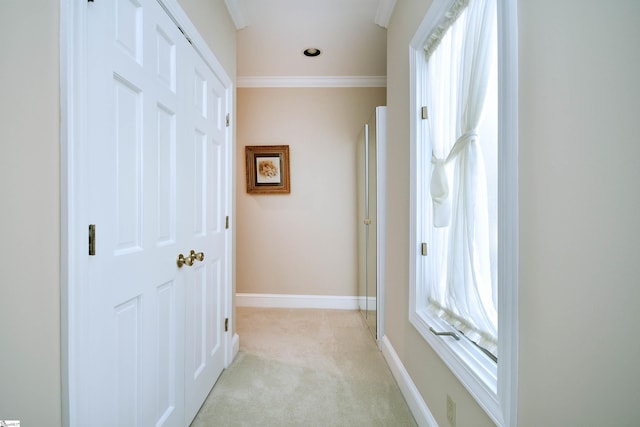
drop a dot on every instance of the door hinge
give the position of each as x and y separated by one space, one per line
226 222
423 249
226 324
228 119
425 113
92 239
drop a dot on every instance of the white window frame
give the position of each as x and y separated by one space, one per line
493 386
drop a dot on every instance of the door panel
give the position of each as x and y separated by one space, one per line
168 380
165 170
128 364
127 162
370 186
205 288
199 182
372 235
135 374
154 345
366 226
128 23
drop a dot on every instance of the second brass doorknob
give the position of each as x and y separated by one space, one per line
182 260
198 256
189 260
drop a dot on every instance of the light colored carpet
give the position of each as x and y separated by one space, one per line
305 368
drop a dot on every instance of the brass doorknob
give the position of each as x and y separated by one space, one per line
199 256
182 260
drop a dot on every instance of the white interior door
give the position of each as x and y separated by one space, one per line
206 232
371 187
367 223
153 342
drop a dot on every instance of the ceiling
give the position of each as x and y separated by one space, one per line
272 35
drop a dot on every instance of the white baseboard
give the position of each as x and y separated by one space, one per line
364 302
233 350
235 346
417 405
297 301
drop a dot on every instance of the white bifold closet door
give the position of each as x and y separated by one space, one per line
152 344
371 190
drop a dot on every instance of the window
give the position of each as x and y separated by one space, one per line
464 195
460 133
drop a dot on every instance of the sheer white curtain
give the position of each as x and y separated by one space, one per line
462 291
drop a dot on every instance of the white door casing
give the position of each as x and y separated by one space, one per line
144 341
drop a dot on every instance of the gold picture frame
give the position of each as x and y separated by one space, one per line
267 169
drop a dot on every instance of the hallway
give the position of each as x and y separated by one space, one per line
304 367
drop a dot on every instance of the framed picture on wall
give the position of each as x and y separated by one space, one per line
267 169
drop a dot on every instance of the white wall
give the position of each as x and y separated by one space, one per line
303 243
579 99
30 196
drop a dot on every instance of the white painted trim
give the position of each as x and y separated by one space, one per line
384 12
73 214
237 14
381 216
311 81
233 350
236 344
508 231
419 409
297 301
364 302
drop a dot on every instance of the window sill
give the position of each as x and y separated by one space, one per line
476 372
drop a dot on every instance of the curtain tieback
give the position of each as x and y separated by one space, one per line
440 184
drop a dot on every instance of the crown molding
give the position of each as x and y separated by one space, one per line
317 81
384 12
236 12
